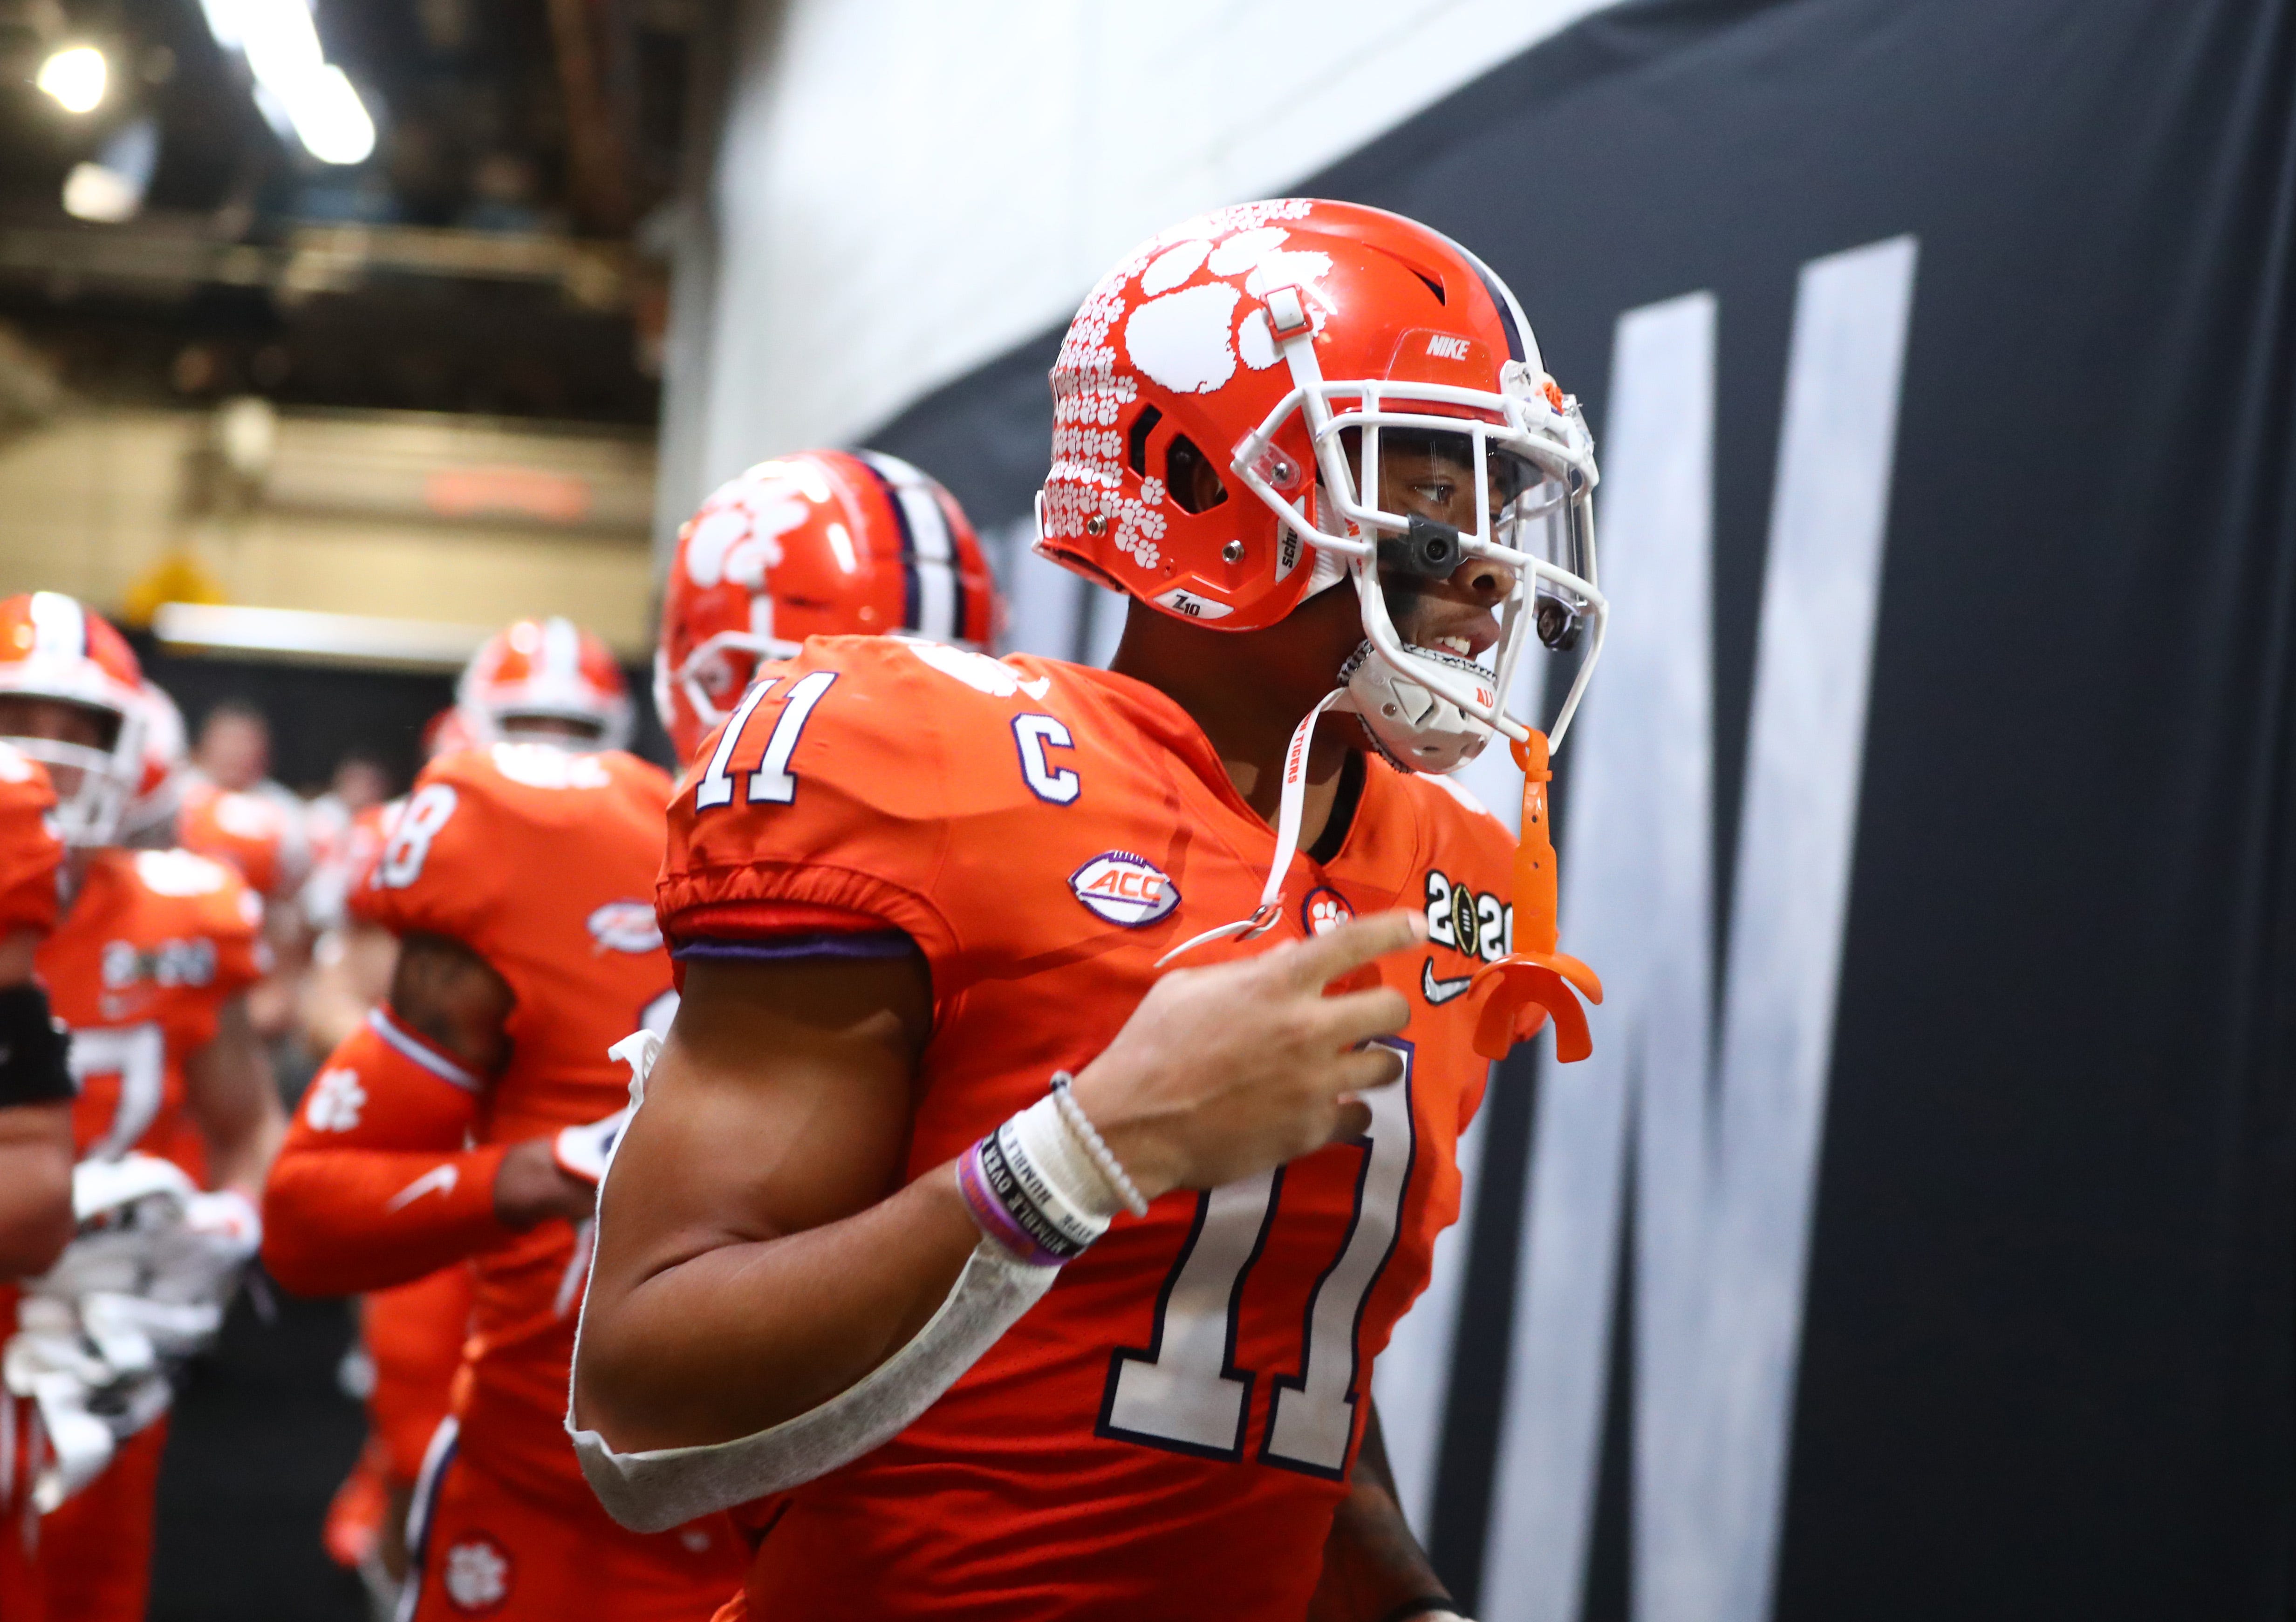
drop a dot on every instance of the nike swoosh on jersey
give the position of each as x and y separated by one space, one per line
439 1179
1439 992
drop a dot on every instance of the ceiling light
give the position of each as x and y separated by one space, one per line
294 83
93 192
111 189
75 77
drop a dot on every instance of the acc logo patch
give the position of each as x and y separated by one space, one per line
1324 911
626 926
1127 890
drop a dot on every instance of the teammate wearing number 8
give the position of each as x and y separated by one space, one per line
978 1341
467 1120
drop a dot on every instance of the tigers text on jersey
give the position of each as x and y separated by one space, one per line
540 861
155 943
1178 1415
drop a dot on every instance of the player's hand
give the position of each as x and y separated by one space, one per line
530 1187
1225 1071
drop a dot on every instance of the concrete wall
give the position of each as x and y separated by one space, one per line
92 500
906 188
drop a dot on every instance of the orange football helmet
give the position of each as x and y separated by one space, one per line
548 671
813 544
1218 409
52 648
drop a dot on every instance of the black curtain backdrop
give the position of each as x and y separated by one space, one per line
2045 1366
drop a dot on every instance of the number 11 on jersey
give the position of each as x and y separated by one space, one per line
1183 1391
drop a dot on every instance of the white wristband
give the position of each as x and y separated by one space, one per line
1048 1141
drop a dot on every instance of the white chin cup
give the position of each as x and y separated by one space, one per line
1414 726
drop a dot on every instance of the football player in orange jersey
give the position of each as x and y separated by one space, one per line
412 1334
818 543
910 887
468 1118
148 967
257 828
36 1148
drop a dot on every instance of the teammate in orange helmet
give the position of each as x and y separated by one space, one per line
914 891
149 967
469 1117
815 543
36 1154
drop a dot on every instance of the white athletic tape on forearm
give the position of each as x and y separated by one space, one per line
654 1491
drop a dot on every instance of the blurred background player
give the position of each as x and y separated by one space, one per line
518 879
36 1144
233 811
149 966
813 544
410 1335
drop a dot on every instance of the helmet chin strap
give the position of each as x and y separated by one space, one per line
1287 837
1522 990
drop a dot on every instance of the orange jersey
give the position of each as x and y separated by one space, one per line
31 853
154 945
261 836
414 1334
1184 1407
30 856
540 861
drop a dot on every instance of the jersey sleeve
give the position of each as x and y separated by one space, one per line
31 853
374 1186
828 804
441 869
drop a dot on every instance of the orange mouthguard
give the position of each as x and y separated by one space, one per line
1534 981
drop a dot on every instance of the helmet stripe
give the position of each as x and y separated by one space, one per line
1505 299
931 605
562 649
59 627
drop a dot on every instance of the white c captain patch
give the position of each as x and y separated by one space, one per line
1124 889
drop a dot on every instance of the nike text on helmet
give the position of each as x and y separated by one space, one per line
52 648
813 543
1274 343
545 670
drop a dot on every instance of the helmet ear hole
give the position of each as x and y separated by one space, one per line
1191 476
1136 444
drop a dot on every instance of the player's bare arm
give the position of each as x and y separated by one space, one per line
36 1208
1374 1569
767 1270
36 1155
234 1101
453 997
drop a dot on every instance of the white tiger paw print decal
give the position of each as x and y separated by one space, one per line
1189 339
1186 338
335 1101
478 1575
1325 910
738 536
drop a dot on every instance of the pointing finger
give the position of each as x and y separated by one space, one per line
1314 963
